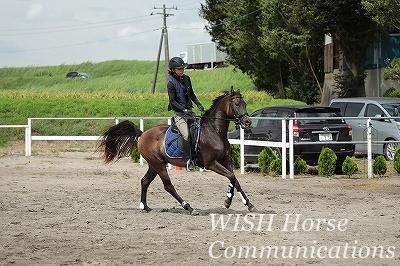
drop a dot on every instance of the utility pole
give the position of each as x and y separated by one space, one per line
164 36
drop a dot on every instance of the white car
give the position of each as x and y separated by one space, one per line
385 123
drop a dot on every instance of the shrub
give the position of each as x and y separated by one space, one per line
391 92
235 156
265 158
349 166
327 162
396 160
276 166
300 166
135 155
379 167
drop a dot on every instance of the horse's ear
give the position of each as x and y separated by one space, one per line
232 91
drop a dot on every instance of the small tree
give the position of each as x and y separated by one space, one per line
265 158
396 160
135 155
391 92
327 162
349 166
276 166
300 166
235 155
379 167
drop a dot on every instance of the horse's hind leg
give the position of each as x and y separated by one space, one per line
145 182
168 186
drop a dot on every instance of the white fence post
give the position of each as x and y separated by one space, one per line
369 147
27 130
29 138
141 126
291 150
241 150
283 153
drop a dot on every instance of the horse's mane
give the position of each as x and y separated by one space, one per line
218 99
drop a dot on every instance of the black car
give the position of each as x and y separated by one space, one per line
304 130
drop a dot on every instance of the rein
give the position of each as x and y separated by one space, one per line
237 118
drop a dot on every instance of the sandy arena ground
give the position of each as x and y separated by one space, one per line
70 209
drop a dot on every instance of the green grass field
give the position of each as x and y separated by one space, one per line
117 89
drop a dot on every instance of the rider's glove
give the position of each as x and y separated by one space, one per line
187 111
201 108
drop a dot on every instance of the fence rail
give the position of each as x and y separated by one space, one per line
284 145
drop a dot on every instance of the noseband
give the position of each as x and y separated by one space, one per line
238 117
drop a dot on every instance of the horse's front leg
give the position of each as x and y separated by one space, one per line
229 194
234 183
242 195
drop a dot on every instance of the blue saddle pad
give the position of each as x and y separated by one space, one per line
172 149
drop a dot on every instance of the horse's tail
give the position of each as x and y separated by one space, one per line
118 141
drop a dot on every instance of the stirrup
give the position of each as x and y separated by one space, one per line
190 165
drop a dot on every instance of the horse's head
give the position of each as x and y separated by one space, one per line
236 109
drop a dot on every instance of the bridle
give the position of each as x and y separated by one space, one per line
237 117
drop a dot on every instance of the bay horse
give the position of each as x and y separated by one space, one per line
213 147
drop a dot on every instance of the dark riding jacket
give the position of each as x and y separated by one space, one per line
180 93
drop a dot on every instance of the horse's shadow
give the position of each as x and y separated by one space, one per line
205 212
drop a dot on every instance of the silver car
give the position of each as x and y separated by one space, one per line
384 126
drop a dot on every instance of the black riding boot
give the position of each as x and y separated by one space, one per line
190 166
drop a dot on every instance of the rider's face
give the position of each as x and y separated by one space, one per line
179 71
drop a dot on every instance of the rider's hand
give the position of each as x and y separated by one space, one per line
201 107
187 112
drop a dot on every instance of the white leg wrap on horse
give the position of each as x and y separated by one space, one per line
243 199
229 193
184 204
141 206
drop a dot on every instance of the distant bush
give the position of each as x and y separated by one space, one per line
349 166
235 155
300 166
391 92
327 162
276 166
396 161
379 167
265 159
135 155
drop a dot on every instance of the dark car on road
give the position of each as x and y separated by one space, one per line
320 131
77 74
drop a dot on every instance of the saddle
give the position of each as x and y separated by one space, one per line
176 146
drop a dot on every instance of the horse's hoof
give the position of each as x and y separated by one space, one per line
147 209
194 212
227 203
251 208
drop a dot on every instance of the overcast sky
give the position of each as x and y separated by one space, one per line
53 32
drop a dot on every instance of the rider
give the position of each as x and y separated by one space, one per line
181 95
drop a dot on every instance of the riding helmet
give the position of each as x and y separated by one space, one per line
176 62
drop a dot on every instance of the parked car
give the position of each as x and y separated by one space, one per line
77 74
304 130
384 129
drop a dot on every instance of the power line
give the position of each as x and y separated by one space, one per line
57 31
77 25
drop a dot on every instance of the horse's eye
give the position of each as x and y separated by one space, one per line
237 104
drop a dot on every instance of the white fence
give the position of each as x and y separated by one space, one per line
242 142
